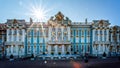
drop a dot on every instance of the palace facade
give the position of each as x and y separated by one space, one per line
59 38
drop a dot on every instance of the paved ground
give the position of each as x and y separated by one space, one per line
93 63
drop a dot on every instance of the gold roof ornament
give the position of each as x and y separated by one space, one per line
115 28
101 22
14 21
59 16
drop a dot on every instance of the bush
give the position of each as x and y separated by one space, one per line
67 53
104 54
43 53
32 56
75 52
59 53
11 56
52 53
86 60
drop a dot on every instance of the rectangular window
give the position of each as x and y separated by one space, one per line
10 32
20 32
96 32
101 38
88 32
14 49
77 32
29 33
15 32
71 32
96 38
88 48
96 35
15 38
105 32
82 32
100 32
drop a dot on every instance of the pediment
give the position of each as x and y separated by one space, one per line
59 19
101 23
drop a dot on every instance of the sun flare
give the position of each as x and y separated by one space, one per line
38 11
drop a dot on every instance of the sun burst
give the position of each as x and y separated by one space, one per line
38 11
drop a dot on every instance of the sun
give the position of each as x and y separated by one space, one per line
38 11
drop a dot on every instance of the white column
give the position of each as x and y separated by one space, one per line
17 50
99 46
103 35
49 33
56 51
49 49
11 49
69 49
17 35
117 37
56 30
104 47
69 33
7 35
12 35
93 35
63 50
23 35
111 37
62 33
98 35
107 36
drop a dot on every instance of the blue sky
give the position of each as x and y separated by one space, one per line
76 10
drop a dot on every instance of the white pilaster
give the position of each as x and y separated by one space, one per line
103 35
107 36
23 35
12 38
11 49
111 37
56 49
69 33
93 35
49 49
69 49
49 33
17 50
63 50
98 35
117 37
56 30
62 33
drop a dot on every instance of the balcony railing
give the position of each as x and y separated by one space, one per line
14 43
57 42
101 42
